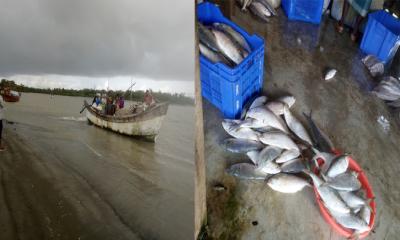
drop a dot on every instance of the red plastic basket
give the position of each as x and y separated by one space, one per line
353 165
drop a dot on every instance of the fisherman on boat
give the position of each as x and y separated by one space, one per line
120 102
2 148
96 99
108 106
148 99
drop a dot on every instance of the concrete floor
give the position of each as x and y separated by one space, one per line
296 54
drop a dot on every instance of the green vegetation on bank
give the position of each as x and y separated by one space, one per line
172 98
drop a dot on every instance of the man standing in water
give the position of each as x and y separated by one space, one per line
2 148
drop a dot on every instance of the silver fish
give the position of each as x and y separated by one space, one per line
289 100
330 74
207 37
245 133
267 117
245 4
241 145
237 37
329 196
252 123
238 132
293 166
352 200
365 214
295 125
287 183
278 139
276 107
213 56
259 101
346 182
388 89
260 11
274 3
339 165
228 47
268 6
265 129
245 171
230 125
351 221
287 155
253 155
265 160
269 167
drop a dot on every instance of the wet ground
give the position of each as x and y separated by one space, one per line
64 179
296 55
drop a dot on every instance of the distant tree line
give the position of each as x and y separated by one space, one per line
172 98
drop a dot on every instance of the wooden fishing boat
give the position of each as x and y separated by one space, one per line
144 124
10 96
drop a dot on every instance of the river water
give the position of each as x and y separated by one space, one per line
149 186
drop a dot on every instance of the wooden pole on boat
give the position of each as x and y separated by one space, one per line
129 90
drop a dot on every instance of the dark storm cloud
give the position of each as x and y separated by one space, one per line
97 38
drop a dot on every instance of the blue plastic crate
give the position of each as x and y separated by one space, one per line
304 10
381 36
229 88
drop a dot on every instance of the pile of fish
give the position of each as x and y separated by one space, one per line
341 193
276 143
219 42
263 9
389 90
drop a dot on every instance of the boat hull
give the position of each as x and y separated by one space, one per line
145 125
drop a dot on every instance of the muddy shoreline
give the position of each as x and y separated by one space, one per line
39 201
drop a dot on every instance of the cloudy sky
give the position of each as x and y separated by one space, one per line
98 43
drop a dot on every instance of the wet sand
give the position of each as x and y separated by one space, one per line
41 199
